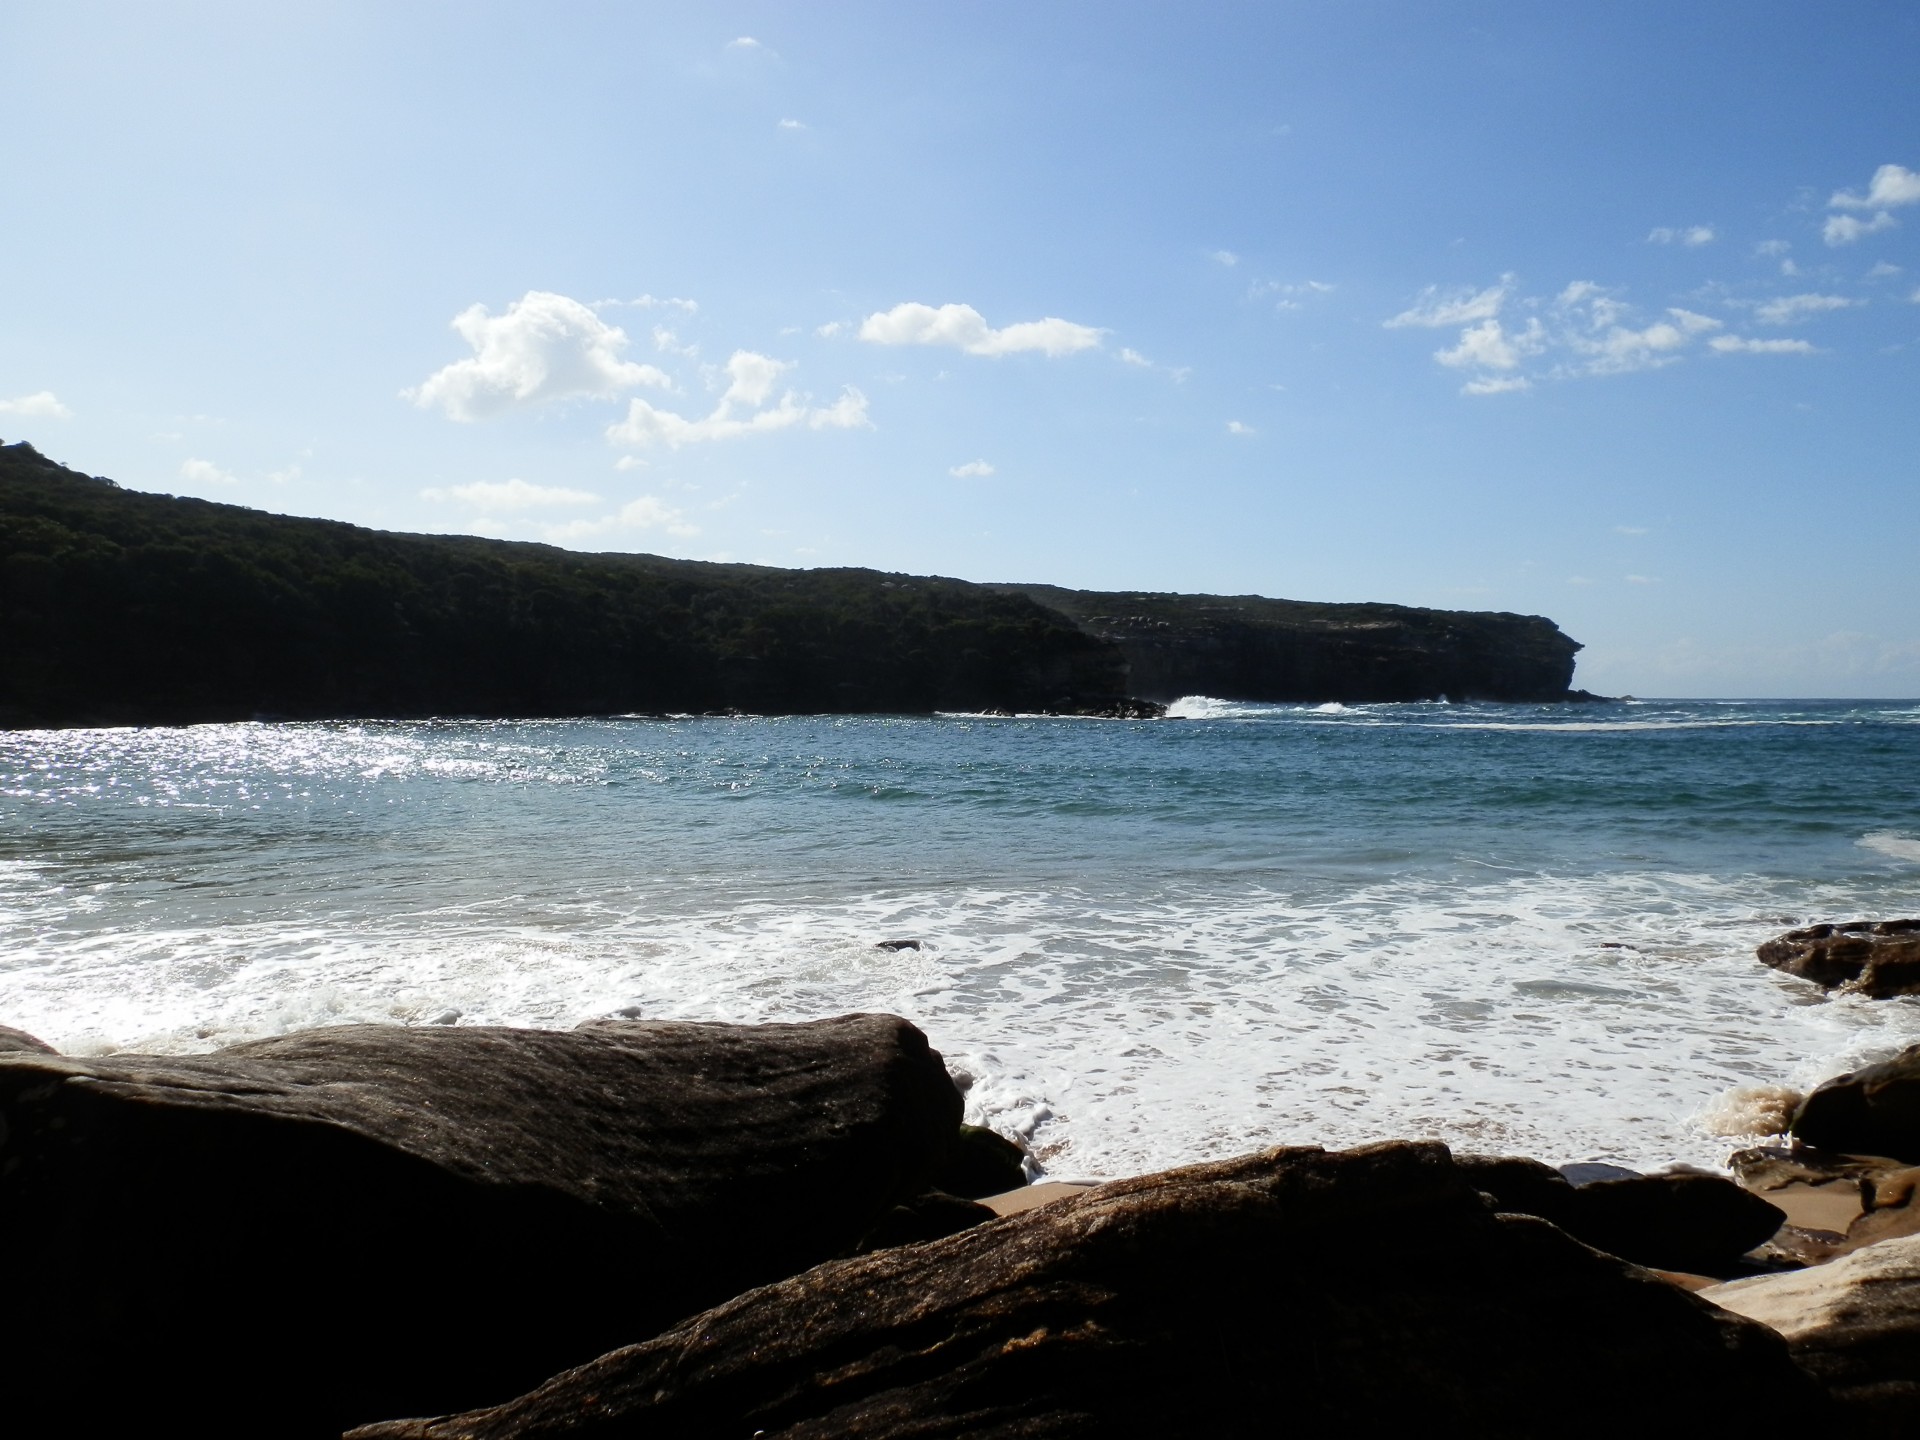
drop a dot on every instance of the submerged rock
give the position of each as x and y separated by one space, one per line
294 1235
1203 1301
1862 956
1680 1220
1874 1110
1853 1323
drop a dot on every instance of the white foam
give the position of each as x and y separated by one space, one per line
1887 842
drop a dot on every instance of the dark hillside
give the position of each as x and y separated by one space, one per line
118 607
1247 647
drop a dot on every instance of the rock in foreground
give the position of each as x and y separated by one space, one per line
1205 1301
1867 958
1854 1323
1874 1110
296 1235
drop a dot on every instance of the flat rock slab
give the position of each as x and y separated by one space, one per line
1853 1323
1865 957
346 1224
1298 1291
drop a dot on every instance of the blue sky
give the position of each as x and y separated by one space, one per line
1609 313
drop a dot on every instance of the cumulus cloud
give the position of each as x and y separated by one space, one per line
1845 229
515 494
971 469
544 347
1225 257
649 512
1584 330
1891 186
205 472
41 405
1234 427
1133 357
744 409
964 328
1436 308
1692 235
1789 308
792 125
745 42
1883 271
1496 385
829 330
1741 345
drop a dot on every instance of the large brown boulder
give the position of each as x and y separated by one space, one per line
1854 1323
1679 1220
1297 1291
1863 956
12 1039
346 1224
1874 1110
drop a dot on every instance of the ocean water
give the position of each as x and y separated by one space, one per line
1517 929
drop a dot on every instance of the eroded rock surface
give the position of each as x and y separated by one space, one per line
1213 1300
12 1039
1853 1323
1864 956
347 1224
1874 1110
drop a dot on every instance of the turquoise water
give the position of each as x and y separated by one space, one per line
1515 928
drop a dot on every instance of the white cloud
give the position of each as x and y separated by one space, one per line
792 125
647 302
1488 346
1772 247
1642 580
1741 345
743 410
205 472
649 512
1496 385
1225 257
667 342
745 42
1692 235
964 328
829 330
1883 271
1892 185
515 494
1134 357
1845 229
1789 308
544 347
1461 306
41 405
1691 322
1234 427
971 469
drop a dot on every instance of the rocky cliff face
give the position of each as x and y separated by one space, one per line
1248 647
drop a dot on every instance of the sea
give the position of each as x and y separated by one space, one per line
1518 929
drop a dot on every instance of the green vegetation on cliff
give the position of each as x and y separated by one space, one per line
118 607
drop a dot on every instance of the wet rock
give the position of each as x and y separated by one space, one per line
981 1162
932 1216
896 945
1861 956
341 1225
1679 1220
12 1039
1204 1301
1854 1324
1874 1110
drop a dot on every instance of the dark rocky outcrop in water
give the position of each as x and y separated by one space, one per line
1204 1301
294 1235
118 607
1674 1221
12 1039
1248 647
1864 957
1874 1110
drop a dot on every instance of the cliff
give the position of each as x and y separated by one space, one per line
118 607
1247 647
